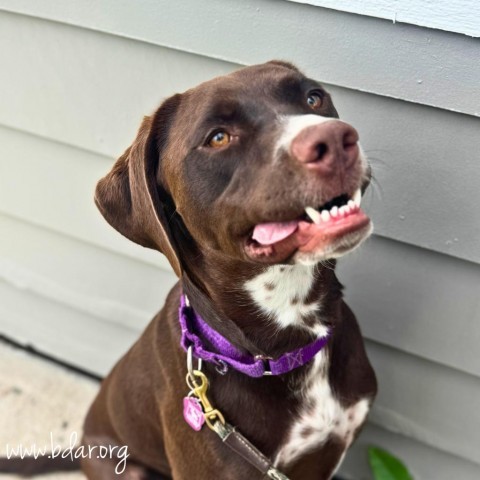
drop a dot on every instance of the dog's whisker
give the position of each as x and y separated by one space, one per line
378 162
376 190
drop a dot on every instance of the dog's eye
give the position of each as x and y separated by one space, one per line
219 139
314 100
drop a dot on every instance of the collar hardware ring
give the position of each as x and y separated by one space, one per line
190 362
221 367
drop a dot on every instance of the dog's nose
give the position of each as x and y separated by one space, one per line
327 146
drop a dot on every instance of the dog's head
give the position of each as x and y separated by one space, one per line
253 166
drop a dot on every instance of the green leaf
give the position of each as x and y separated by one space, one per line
385 466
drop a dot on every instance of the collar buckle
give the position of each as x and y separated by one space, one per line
266 364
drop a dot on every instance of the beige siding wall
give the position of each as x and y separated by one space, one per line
75 83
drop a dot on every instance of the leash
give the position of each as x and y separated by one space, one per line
198 410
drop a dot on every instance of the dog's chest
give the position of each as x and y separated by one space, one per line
281 292
320 417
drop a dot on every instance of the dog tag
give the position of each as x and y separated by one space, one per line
193 413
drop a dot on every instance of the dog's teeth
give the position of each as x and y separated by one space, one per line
357 197
334 211
343 210
325 215
347 209
313 214
351 204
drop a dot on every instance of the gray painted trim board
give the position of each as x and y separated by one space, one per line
460 17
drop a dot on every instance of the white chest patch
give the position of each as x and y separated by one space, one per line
320 417
280 293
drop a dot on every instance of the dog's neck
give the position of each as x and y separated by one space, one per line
265 310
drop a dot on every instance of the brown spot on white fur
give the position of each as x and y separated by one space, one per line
287 293
328 419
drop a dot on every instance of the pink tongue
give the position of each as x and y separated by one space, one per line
269 233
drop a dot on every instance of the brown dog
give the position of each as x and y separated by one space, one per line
250 185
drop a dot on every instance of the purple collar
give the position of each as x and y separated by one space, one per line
194 328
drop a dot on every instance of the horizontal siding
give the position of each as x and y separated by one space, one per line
51 184
88 90
362 53
422 400
72 300
62 332
81 107
113 288
416 300
460 17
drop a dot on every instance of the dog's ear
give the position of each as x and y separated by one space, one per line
128 197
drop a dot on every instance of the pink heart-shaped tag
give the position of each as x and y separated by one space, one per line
193 413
